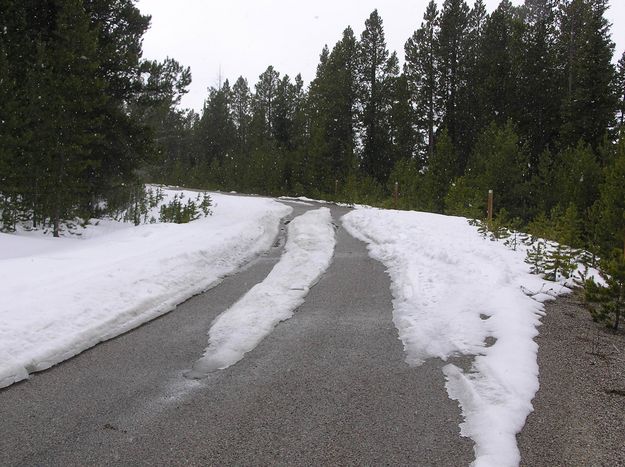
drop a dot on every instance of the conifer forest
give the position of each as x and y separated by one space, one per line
527 101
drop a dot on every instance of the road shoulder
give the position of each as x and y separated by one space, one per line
578 410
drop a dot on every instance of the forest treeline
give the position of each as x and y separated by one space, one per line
76 103
525 101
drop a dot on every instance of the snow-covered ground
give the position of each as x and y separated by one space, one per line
307 254
456 293
62 296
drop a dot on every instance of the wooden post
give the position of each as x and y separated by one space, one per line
396 195
490 206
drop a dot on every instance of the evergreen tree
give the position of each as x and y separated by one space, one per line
69 107
125 143
472 98
620 86
377 70
404 138
539 93
586 51
451 62
263 104
331 109
577 177
499 163
440 172
216 130
498 54
10 173
241 114
608 300
420 71
164 84
611 204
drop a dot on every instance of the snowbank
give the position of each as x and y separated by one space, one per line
456 293
62 296
307 254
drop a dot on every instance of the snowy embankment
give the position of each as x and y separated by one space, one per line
62 296
456 293
307 254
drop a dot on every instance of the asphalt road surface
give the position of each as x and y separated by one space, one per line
327 387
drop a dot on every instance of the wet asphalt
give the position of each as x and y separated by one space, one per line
327 387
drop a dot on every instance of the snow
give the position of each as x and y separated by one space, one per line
307 254
458 294
62 296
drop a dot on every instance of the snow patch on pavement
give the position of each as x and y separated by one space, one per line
456 293
307 254
62 296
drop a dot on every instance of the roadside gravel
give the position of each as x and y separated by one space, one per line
579 410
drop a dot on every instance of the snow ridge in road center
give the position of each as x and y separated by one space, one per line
456 293
238 330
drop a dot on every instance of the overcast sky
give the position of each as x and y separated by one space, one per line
243 37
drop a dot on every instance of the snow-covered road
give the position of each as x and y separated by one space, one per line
454 294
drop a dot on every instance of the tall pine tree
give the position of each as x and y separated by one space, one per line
586 51
420 70
377 69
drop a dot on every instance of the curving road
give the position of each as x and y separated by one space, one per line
327 387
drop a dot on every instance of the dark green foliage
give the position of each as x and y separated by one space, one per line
620 92
421 76
607 301
501 101
609 210
331 109
499 54
556 260
178 211
536 257
498 163
440 172
70 87
586 51
539 90
411 183
376 72
452 72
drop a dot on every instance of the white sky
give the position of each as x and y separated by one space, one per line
243 37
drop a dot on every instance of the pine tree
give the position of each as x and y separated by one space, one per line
377 69
620 86
611 204
577 177
498 53
125 143
331 109
451 63
420 70
608 301
404 138
241 114
164 84
539 94
586 50
499 163
263 104
472 98
440 172
216 130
